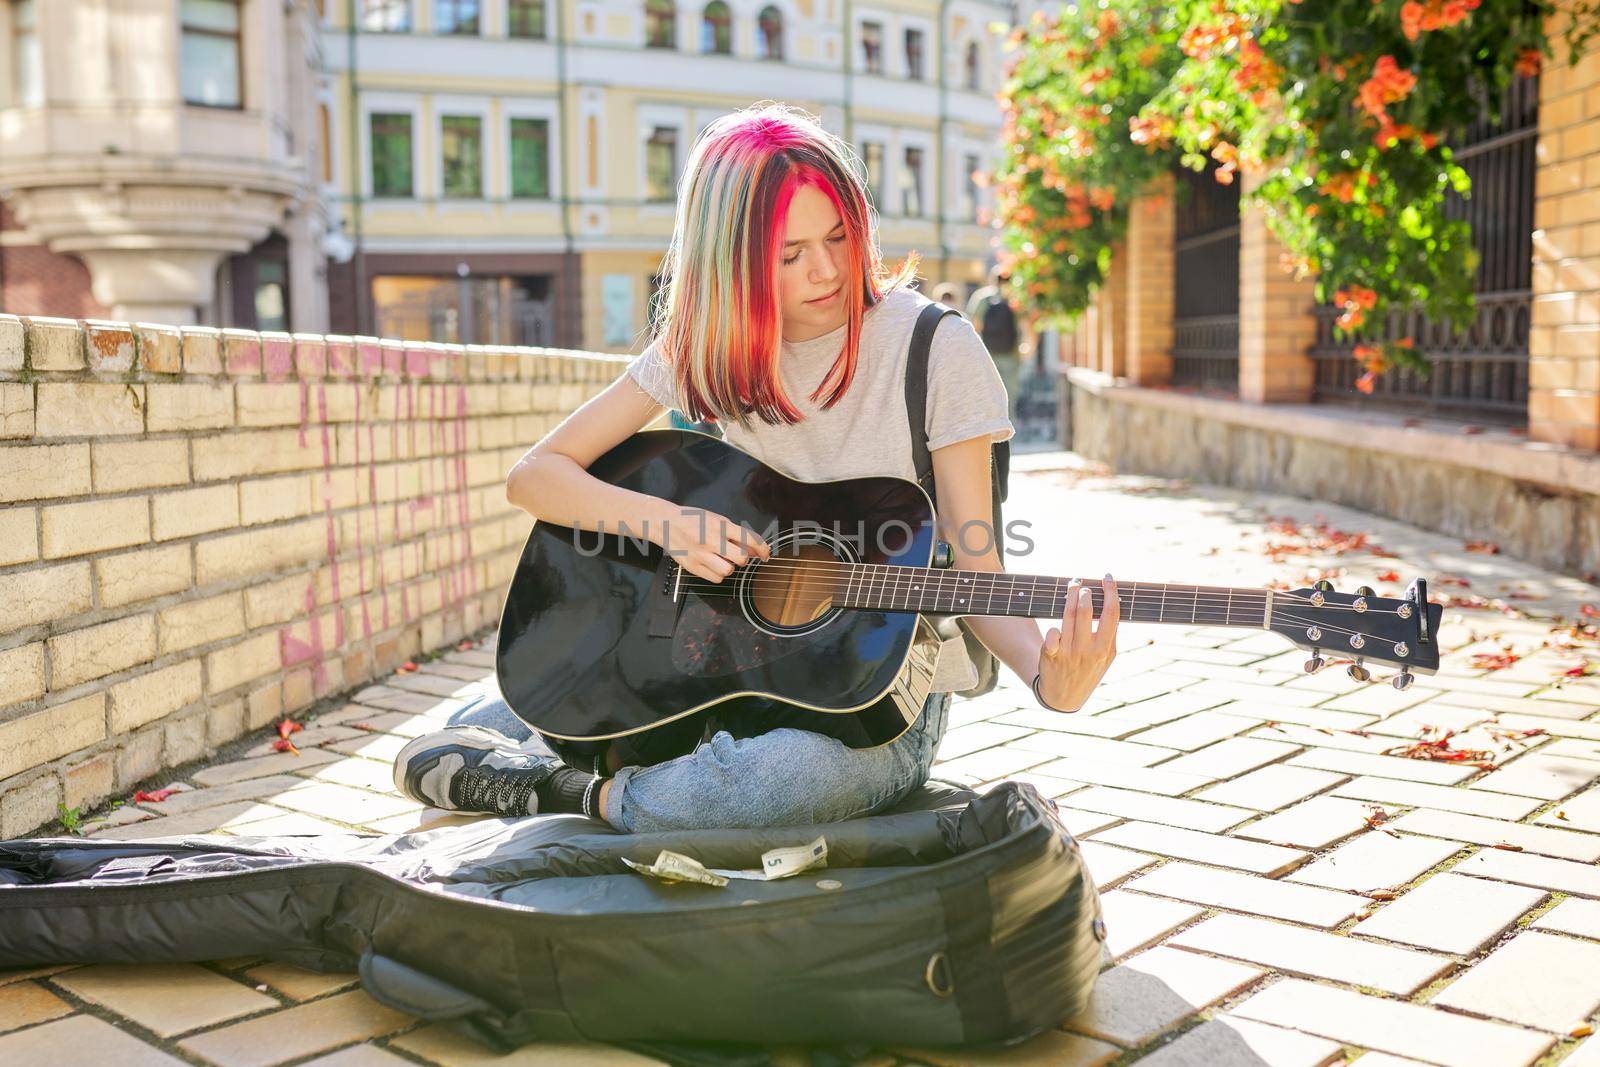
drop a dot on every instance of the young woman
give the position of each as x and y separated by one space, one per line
780 323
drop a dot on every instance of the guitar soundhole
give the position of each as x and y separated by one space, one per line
798 588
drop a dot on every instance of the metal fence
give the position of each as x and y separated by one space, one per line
1480 372
1205 325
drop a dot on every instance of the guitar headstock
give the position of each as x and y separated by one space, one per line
1401 632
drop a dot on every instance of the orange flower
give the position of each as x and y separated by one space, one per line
1417 18
1108 23
1151 132
1528 62
1389 84
1364 383
1354 303
1103 198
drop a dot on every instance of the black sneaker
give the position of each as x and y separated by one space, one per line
469 768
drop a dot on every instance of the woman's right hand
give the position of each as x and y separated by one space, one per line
707 544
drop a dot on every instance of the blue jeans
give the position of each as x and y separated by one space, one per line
784 777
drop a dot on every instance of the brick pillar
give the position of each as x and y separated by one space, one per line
1564 346
1149 286
1276 323
1113 302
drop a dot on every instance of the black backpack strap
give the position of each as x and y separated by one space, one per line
917 387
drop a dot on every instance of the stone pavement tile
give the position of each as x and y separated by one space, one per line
1393 1026
1572 916
288 824
976 736
1193 814
1232 757
1383 700
1314 823
387 698
1213 849
1310 717
199 799
1563 876
1539 980
1197 730
1427 720
1163 708
1384 1059
1445 798
1097 748
1109 865
1581 812
28 1004
115 817
204 821
298 1032
1540 840
341 803
165 998
1251 674
27 974
360 773
1323 737
1313 953
1451 913
424 685
1588 731
990 764
1560 709
1148 994
1586 1055
1376 860
381 747
1248 893
1543 775
1047 785
1143 779
472 657
90 1040
1227 1040
1265 700
1070 723
402 723
442 1045
1133 921
297 983
360 1056
1270 788
409 822
1051 1047
460 671
260 767
1411 770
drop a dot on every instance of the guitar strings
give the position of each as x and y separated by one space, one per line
988 582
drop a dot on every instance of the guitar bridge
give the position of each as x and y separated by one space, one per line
665 603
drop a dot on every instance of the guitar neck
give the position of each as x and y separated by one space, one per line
936 591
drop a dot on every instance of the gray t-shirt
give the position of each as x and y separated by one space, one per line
867 432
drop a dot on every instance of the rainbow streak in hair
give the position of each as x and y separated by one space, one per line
719 325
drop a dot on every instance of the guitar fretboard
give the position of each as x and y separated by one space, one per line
937 591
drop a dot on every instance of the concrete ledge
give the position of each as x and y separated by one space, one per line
1539 502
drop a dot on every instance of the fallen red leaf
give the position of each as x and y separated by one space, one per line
1581 1031
1486 547
287 727
407 667
1562 816
1508 846
1381 894
465 646
283 744
1389 576
156 797
1589 611
1494 661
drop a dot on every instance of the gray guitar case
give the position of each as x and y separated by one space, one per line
954 919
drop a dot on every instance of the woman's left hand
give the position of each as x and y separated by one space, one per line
1075 657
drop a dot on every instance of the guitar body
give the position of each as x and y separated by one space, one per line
595 649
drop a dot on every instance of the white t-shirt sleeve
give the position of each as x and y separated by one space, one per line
651 373
966 397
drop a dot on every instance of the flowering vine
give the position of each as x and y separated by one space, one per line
1341 112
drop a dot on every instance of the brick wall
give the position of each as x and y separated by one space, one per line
201 531
37 281
1564 345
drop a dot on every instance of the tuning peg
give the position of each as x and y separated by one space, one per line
1402 681
1358 672
1322 585
1365 590
1315 663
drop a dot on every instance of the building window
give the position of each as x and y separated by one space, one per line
974 69
211 53
716 29
391 155
872 152
525 18
914 54
872 47
455 17
969 187
461 144
661 163
530 159
27 66
911 187
386 16
769 33
660 24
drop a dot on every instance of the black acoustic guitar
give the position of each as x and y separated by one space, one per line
604 637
